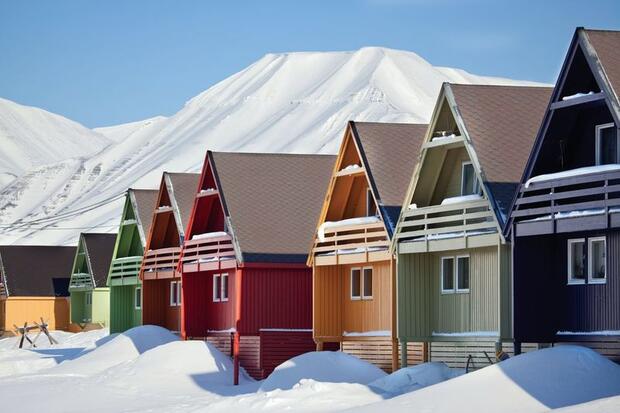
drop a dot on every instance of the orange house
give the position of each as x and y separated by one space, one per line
354 300
161 282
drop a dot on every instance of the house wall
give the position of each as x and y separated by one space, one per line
553 305
274 298
123 312
201 313
18 310
335 312
449 182
80 312
423 309
156 308
101 306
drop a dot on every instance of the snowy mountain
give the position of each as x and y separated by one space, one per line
293 102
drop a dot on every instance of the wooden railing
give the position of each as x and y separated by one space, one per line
447 221
366 239
81 280
160 263
207 253
543 207
125 267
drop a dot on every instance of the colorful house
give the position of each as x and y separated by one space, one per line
34 283
161 282
90 295
454 278
246 287
123 279
566 217
353 269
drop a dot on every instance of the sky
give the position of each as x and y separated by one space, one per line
108 62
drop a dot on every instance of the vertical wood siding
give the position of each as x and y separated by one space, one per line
18 310
278 346
123 313
449 182
275 298
101 306
327 296
156 308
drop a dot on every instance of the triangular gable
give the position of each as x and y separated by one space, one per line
165 231
81 273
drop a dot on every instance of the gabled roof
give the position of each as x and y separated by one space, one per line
36 271
389 152
99 249
271 201
501 123
143 202
606 45
182 188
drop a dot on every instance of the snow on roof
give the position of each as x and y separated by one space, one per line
573 172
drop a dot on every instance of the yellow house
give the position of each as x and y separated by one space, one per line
34 283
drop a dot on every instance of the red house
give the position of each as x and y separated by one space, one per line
246 286
161 282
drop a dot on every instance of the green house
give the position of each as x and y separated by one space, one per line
123 278
90 296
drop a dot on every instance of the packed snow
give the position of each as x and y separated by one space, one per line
330 225
149 369
577 95
208 235
460 199
573 172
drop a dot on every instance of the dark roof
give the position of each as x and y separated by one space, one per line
391 152
606 43
38 271
502 123
146 200
184 188
99 250
273 201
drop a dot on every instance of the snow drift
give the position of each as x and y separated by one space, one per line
414 378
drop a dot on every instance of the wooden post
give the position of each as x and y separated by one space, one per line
319 346
236 359
394 354
403 354
426 352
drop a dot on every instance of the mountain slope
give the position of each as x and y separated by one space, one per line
293 102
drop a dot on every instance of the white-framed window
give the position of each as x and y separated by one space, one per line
607 144
174 294
224 287
447 275
577 261
462 273
371 207
137 298
597 260
367 283
89 298
356 284
217 288
469 181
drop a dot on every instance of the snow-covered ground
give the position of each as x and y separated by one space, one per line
149 369
289 102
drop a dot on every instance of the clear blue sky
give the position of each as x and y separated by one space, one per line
109 62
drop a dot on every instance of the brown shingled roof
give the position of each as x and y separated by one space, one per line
183 188
146 200
502 123
607 46
36 271
99 250
273 201
391 152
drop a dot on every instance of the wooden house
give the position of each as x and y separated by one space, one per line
34 282
454 285
161 282
90 295
566 217
353 271
246 287
123 279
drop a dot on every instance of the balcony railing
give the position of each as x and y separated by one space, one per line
160 263
80 280
125 270
573 202
456 225
351 244
207 254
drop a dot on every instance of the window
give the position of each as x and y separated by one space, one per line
607 146
179 292
138 298
469 181
597 264
224 290
356 290
217 289
576 261
367 283
174 294
447 274
462 273
89 298
371 208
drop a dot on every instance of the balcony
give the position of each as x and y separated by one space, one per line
161 263
459 225
209 252
351 241
80 281
576 200
125 271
